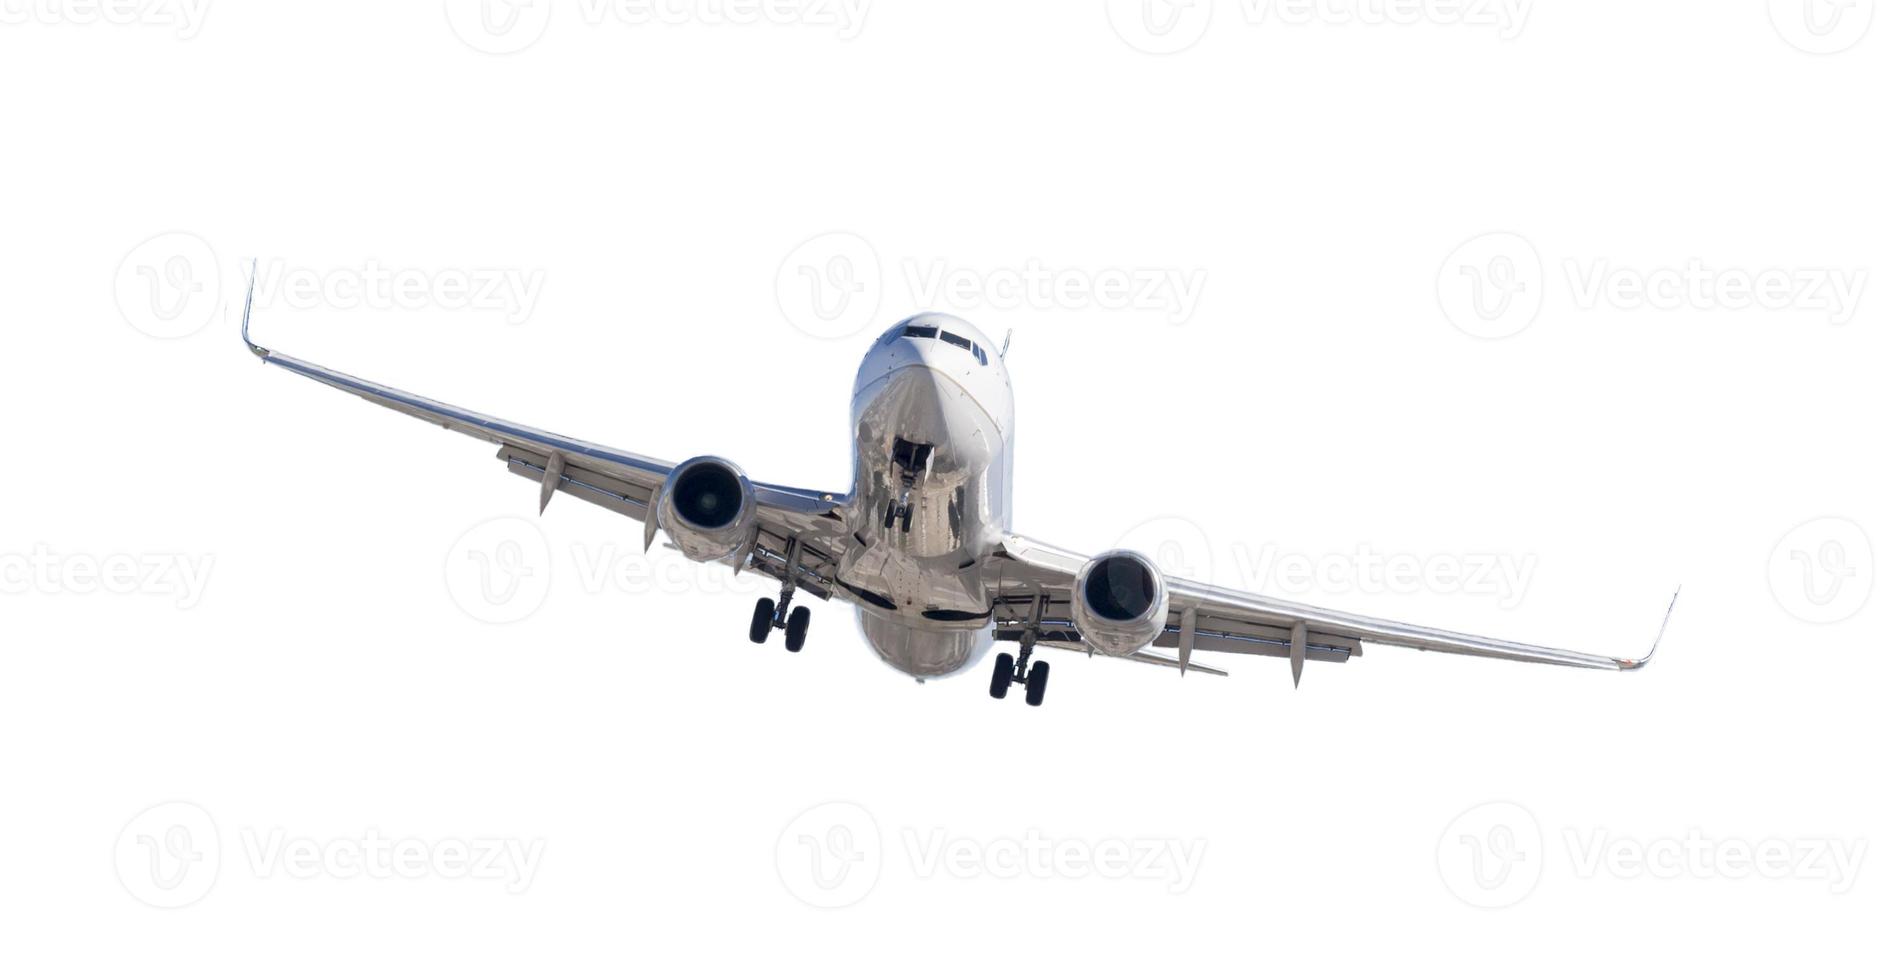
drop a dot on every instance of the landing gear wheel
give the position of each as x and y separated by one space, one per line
795 628
761 619
1036 683
1002 675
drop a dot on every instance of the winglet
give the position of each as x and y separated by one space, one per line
1642 662
248 306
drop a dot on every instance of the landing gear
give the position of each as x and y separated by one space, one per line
912 460
795 628
1007 671
761 616
768 615
1036 683
1002 675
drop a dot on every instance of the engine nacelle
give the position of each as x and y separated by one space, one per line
708 509
1119 603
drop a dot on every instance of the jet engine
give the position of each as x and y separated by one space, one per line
707 509
1119 603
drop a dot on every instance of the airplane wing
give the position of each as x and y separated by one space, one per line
621 481
1204 617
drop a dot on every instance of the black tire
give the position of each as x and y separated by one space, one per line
1036 683
1002 675
761 619
908 514
795 628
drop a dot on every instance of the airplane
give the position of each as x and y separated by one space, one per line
922 543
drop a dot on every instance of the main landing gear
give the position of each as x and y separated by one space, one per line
768 615
1007 671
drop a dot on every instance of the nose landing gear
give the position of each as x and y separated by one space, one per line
768 615
1007 671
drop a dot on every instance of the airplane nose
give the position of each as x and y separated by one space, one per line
923 406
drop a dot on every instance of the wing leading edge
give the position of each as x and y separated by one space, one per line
616 479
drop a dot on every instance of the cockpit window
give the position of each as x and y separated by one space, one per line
932 333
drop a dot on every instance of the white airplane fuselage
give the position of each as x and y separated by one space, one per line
933 426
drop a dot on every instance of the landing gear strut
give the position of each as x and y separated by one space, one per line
1007 671
768 615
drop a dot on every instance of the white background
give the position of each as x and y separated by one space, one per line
1321 401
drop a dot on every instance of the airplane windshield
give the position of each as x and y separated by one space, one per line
934 333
